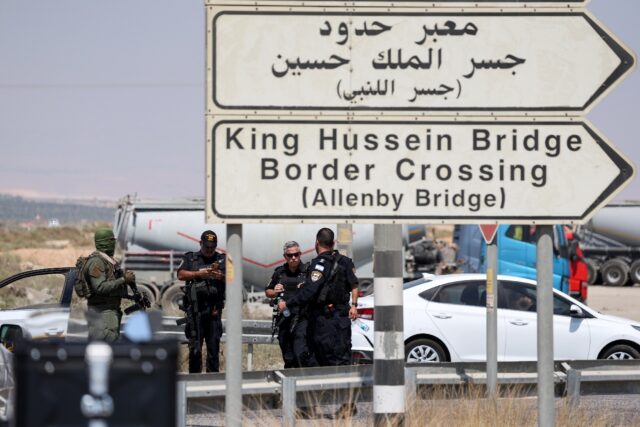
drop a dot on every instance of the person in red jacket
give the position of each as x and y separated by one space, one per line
578 272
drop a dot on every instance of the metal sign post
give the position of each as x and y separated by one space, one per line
489 233
233 346
345 240
544 267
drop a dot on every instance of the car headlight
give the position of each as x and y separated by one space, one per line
637 328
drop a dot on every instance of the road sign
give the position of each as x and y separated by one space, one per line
488 232
408 171
438 4
409 61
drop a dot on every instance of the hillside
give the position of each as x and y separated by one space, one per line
19 209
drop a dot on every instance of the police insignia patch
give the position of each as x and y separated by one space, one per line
315 276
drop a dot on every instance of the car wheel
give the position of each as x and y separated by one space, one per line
621 352
615 272
424 350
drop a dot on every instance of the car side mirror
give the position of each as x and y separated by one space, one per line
575 311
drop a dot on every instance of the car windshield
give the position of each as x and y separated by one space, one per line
416 282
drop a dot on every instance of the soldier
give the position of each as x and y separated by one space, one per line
108 286
330 283
204 272
292 330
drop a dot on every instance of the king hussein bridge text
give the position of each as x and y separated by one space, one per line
327 162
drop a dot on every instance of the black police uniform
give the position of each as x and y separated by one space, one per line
210 295
292 330
329 323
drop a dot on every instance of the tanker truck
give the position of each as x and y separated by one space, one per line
610 243
153 235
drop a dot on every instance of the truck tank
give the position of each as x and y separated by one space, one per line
153 236
610 244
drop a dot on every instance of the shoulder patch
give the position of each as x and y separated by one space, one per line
319 267
315 276
97 269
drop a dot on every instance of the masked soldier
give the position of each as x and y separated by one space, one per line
292 329
204 296
108 286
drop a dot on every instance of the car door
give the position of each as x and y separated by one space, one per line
458 310
571 335
37 301
517 307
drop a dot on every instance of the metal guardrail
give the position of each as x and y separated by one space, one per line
253 332
293 388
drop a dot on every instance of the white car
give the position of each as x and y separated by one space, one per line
445 320
36 304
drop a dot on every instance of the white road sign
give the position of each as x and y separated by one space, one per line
301 60
395 171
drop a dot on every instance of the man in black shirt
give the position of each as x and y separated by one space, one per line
287 280
204 272
330 284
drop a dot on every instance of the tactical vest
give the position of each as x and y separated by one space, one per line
335 289
292 283
208 294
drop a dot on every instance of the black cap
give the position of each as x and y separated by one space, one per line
209 239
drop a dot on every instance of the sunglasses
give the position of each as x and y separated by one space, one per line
296 254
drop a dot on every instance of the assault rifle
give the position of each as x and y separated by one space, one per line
192 317
141 302
276 316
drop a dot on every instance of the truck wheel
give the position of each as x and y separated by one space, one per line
615 272
592 273
171 298
634 271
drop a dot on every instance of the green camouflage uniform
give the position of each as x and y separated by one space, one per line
104 313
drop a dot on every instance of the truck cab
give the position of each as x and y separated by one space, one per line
516 252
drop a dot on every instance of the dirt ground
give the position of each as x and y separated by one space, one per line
50 257
617 301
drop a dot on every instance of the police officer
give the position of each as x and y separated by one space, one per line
204 272
330 283
287 280
107 288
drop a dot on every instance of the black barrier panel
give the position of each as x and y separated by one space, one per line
51 380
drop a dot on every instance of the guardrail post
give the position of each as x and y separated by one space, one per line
573 387
410 385
181 404
250 356
289 401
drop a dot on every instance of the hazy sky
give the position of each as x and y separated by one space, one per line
105 98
